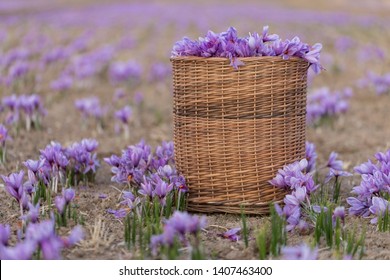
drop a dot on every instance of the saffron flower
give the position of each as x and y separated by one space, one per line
120 72
30 106
232 234
379 207
15 187
122 117
301 252
4 137
90 107
5 233
339 212
311 157
333 163
323 104
293 178
177 227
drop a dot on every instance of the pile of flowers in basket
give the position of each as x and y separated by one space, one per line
228 44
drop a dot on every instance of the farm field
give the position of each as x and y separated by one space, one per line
101 71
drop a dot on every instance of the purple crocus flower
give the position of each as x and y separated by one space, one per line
162 189
3 136
366 168
118 214
69 195
14 186
22 251
76 235
359 207
322 103
379 207
311 157
318 209
124 72
184 223
301 252
232 234
167 238
138 98
159 71
127 196
90 145
18 70
334 163
336 174
60 204
146 189
119 94
33 213
5 233
103 196
113 160
90 107
339 212
124 114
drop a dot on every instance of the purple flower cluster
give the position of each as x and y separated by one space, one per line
90 64
4 137
129 71
298 178
178 226
335 168
381 84
373 189
228 44
152 174
30 105
61 202
63 83
301 252
293 177
160 71
90 107
38 236
122 117
57 164
323 103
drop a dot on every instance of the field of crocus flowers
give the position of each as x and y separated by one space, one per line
86 154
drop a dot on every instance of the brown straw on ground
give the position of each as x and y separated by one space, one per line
233 129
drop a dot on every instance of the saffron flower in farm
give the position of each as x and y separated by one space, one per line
228 44
373 191
232 234
178 227
380 83
90 107
29 106
4 137
120 72
123 117
323 104
40 237
300 252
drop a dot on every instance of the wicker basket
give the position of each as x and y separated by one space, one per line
233 129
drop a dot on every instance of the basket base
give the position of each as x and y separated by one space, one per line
258 209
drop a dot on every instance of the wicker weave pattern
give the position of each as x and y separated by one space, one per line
233 129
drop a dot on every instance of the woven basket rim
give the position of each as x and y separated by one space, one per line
243 59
